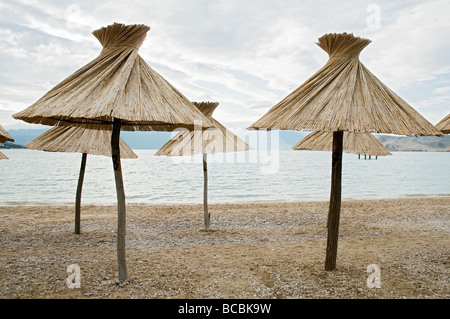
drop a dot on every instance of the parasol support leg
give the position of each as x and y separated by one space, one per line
335 202
121 207
205 194
78 196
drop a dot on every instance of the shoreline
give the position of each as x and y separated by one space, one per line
256 251
230 203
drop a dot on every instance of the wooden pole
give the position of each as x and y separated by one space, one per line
335 202
78 196
205 194
121 207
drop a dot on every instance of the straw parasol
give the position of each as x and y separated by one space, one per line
79 140
444 125
357 143
116 91
343 96
4 137
216 139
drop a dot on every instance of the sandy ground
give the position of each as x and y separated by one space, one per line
264 250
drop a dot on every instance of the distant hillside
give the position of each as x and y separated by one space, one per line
11 145
415 143
285 139
155 140
22 137
136 140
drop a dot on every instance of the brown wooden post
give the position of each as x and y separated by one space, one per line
205 194
121 207
335 202
78 196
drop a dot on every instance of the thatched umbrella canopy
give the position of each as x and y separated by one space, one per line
116 91
4 137
357 143
444 125
343 96
217 139
79 140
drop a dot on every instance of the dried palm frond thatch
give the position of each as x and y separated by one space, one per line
118 84
4 137
116 91
357 143
216 139
343 96
78 140
444 125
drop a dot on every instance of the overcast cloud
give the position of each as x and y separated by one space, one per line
245 54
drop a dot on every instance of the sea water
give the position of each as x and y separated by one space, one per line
33 177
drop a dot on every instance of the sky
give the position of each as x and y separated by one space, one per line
245 54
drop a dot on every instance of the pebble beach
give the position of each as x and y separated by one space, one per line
254 250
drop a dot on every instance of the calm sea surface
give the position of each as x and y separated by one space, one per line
35 177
